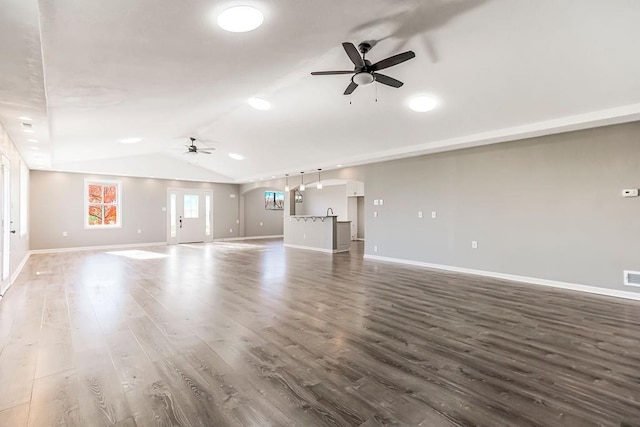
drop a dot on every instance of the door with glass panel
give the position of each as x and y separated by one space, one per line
189 216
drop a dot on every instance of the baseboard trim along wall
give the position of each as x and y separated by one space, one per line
513 277
230 239
18 270
95 248
310 248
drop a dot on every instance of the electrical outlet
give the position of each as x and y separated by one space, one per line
433 214
139 231
304 236
375 214
237 221
381 202
376 202
232 196
164 209
261 224
474 244
64 234
419 214
231 230
375 248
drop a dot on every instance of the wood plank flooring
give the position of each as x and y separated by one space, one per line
253 334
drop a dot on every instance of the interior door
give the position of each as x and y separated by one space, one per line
5 224
190 216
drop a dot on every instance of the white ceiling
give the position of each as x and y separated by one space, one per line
92 73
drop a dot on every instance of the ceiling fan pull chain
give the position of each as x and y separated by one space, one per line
376 91
349 99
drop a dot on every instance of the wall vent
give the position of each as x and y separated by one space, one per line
632 278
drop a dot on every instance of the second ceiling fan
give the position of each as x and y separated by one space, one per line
365 72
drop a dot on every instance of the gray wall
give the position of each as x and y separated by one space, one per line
57 205
316 202
255 213
547 207
361 217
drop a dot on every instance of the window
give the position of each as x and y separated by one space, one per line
103 204
24 198
191 205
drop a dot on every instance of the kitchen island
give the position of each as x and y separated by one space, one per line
318 233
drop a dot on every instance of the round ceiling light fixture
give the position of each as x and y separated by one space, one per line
240 19
130 140
236 156
422 103
363 78
259 103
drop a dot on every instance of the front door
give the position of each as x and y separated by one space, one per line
190 216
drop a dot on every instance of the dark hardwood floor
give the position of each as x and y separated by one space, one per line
254 334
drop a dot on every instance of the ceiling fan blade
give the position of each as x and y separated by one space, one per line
353 54
352 86
393 60
329 73
386 80
204 152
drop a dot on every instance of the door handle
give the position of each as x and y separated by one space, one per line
180 222
13 231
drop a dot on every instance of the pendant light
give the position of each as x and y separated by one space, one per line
302 187
286 186
319 182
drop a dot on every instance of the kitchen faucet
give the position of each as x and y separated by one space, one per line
329 209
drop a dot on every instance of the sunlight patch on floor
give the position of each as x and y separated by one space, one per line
136 254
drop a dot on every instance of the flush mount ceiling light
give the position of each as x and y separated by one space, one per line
259 103
130 140
25 118
32 140
235 156
422 103
240 19
29 131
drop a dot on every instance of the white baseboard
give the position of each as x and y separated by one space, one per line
230 239
18 270
95 248
310 248
514 278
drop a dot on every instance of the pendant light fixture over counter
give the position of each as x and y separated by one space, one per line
302 187
286 186
319 182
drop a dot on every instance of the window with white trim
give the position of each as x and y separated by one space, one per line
102 200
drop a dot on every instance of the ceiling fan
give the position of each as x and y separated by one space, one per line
365 72
193 149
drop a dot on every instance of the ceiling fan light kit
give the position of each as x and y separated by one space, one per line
364 71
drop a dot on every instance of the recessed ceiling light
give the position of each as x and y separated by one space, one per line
240 19
32 140
25 118
259 103
35 148
29 131
235 156
338 166
130 140
422 103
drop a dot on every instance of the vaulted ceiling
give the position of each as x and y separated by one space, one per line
91 73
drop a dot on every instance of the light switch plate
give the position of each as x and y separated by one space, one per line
433 214
630 192
474 244
375 214
419 214
381 202
376 202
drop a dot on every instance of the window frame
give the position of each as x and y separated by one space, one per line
118 203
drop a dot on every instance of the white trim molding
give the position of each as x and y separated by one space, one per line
95 248
310 248
227 239
513 278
